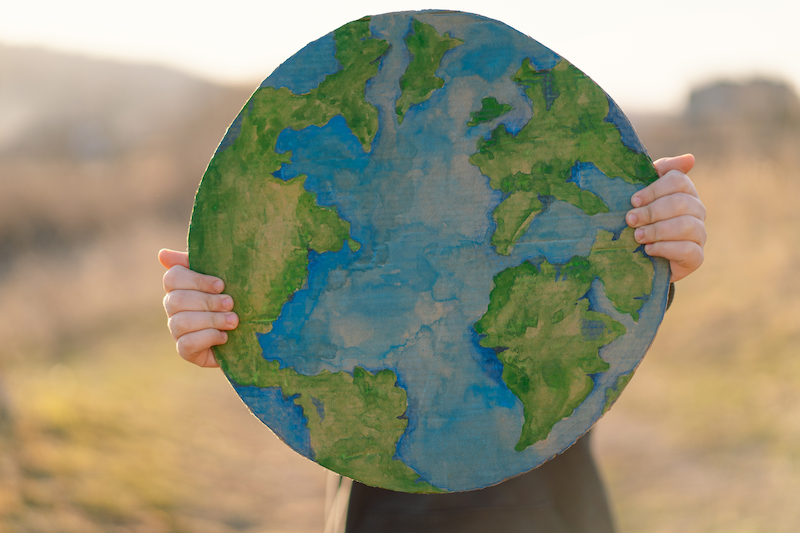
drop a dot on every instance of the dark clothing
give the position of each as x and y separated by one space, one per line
564 495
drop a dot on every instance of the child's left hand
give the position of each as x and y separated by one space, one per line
670 218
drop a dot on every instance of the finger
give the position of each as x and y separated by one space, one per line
186 322
196 347
180 277
682 228
170 258
205 359
182 300
671 206
672 182
684 256
682 163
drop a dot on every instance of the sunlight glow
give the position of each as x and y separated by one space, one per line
644 54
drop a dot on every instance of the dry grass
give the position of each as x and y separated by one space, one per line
705 438
114 433
105 429
123 436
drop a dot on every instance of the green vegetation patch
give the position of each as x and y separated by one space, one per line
419 80
490 110
247 221
627 277
355 421
547 338
568 126
613 393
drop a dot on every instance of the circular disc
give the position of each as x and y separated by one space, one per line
420 217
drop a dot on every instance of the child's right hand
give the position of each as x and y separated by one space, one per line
199 314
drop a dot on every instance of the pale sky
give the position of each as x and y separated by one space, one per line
645 54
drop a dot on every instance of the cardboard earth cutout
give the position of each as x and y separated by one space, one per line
420 217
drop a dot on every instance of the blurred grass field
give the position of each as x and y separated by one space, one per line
706 437
121 435
104 429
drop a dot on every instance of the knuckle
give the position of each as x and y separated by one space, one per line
651 195
648 214
213 302
682 203
665 183
683 249
686 248
173 302
186 346
702 210
695 230
654 249
169 280
695 203
682 182
172 278
219 337
660 232
174 325
690 254
652 233
208 283
697 255
687 226
648 194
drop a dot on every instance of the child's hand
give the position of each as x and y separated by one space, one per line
198 313
670 218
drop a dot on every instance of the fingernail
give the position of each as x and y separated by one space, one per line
231 318
638 235
636 201
224 336
630 218
648 248
227 303
218 285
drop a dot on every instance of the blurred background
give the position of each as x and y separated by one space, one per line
109 113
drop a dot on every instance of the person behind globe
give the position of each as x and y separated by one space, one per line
563 495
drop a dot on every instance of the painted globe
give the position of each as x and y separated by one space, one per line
420 217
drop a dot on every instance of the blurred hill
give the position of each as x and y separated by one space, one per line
71 107
96 159
104 429
758 119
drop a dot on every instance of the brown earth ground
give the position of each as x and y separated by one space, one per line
104 429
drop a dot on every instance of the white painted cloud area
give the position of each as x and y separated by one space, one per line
647 55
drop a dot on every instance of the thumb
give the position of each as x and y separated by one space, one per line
683 163
170 258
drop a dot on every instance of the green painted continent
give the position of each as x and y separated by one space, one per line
419 80
490 110
613 393
568 126
548 340
247 222
354 421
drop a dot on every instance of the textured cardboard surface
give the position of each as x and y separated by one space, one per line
420 217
